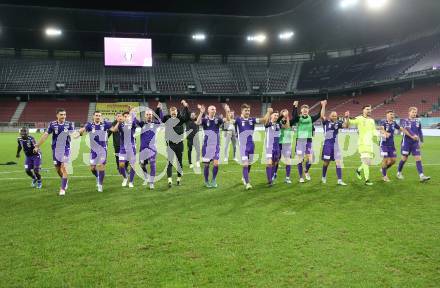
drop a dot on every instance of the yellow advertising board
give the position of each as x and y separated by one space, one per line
109 110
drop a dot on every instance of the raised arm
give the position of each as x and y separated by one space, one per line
202 111
346 123
295 116
266 117
184 114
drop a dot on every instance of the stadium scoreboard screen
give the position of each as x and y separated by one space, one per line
134 52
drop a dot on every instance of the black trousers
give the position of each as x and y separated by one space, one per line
193 142
174 150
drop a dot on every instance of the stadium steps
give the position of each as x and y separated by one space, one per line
17 114
196 78
298 67
246 78
152 78
92 109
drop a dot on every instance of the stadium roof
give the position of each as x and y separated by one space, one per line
318 24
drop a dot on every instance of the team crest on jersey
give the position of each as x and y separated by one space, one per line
56 130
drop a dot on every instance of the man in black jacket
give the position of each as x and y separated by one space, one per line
192 140
174 135
116 143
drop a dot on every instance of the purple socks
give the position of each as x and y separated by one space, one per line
246 173
63 183
324 171
419 167
288 168
101 175
206 172
269 174
339 172
300 169
214 172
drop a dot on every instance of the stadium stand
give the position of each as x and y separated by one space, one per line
221 78
80 75
272 78
44 110
7 109
173 77
25 74
127 79
424 98
428 62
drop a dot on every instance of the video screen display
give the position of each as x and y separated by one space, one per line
134 52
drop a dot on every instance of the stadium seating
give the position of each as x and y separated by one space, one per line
44 110
127 79
423 98
26 74
7 109
272 78
221 78
173 77
80 75
429 61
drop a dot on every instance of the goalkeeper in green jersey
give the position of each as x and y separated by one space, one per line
367 131
305 129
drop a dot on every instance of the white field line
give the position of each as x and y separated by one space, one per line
117 175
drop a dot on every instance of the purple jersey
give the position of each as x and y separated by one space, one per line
98 134
391 129
60 134
414 127
331 131
126 135
211 127
148 134
27 145
273 131
245 130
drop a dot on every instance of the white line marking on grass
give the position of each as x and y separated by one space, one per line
190 173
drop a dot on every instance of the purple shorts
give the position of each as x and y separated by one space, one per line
286 150
147 154
410 147
210 153
247 152
388 151
331 153
303 146
96 159
124 157
59 157
275 155
32 162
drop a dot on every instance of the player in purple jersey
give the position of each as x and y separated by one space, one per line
60 130
245 126
331 150
33 159
411 144
148 149
272 145
127 150
211 141
387 147
98 131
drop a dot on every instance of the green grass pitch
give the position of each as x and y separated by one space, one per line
309 235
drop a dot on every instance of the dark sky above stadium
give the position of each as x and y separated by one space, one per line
319 25
231 7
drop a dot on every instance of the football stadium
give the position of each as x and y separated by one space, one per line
288 143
